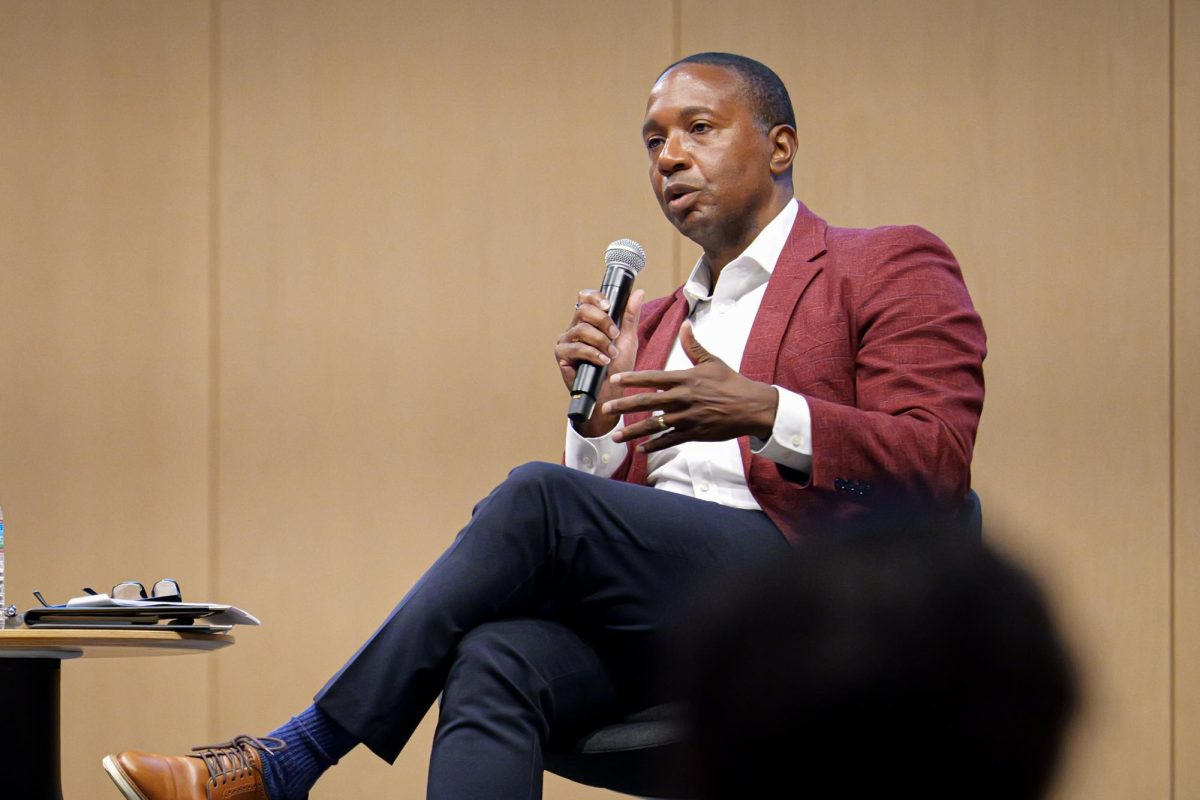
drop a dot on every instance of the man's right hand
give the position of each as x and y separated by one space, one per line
593 338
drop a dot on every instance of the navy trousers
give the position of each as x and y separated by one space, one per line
546 616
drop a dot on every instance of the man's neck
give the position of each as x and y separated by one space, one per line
718 259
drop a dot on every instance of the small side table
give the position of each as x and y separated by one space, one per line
30 660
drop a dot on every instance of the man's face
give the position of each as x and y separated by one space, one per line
710 164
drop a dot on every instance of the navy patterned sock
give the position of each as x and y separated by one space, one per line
314 744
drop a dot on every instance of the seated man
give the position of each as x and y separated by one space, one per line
857 390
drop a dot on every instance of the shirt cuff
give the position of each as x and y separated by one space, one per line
791 438
600 456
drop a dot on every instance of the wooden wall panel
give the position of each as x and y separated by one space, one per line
410 197
1187 398
104 339
1033 138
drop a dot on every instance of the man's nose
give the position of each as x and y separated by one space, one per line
673 156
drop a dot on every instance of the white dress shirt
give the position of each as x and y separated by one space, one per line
721 320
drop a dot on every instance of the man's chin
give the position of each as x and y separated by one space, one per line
690 223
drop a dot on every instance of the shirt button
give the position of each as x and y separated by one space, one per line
705 486
795 441
604 458
587 462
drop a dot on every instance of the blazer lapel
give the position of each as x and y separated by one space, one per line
653 354
666 328
798 264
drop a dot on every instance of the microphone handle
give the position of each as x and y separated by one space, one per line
616 288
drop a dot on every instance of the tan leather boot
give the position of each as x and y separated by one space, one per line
228 771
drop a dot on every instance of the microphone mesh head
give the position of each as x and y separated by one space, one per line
627 253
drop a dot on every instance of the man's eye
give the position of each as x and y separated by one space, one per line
701 127
654 142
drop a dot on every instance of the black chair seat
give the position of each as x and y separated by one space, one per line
639 755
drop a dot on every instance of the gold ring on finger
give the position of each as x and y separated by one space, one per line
662 422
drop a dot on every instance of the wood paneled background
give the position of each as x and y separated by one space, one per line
264 264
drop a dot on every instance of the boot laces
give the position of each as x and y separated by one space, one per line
229 761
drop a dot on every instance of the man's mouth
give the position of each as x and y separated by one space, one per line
680 198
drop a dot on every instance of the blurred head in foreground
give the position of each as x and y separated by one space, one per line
880 666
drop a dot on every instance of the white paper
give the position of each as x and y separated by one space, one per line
222 614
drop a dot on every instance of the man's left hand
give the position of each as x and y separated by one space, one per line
708 403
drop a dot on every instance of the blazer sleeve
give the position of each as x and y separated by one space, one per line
918 348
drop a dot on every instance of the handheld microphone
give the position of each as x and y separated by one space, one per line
623 260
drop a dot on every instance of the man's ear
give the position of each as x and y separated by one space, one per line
783 148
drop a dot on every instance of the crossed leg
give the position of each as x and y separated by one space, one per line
607 559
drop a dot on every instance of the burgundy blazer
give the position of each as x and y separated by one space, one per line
876 329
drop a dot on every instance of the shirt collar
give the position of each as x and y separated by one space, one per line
762 255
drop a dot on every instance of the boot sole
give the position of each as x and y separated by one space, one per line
121 779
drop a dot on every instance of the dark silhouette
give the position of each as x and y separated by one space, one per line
884 665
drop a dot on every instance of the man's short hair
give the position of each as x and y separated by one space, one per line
768 96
